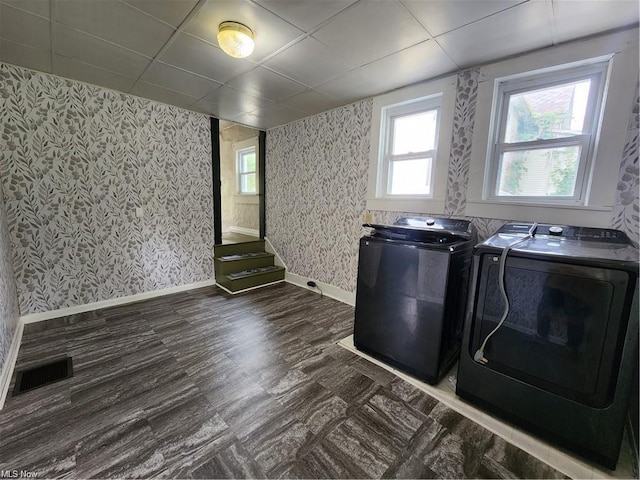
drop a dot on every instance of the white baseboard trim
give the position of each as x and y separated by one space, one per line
329 290
268 246
63 312
248 289
10 363
245 231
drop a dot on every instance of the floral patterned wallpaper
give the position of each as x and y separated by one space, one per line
77 160
316 181
626 213
9 312
316 185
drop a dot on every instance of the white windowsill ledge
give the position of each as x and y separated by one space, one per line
412 205
588 216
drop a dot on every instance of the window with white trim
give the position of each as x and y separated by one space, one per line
246 170
411 130
410 143
544 134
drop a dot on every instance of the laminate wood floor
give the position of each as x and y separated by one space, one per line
207 385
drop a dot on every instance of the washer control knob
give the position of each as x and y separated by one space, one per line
555 230
431 221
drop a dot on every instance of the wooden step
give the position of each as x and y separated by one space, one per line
222 250
242 261
254 277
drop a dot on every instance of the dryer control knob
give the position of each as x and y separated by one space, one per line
431 221
555 230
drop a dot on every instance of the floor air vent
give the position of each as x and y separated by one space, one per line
42 375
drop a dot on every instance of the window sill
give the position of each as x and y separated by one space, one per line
410 205
588 216
246 198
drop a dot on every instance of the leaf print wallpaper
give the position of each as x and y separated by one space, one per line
76 162
627 212
316 181
316 186
9 312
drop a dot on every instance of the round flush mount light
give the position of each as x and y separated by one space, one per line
235 39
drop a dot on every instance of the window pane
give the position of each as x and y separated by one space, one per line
539 173
551 112
248 162
410 177
248 183
414 133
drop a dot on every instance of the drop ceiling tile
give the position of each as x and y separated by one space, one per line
172 12
516 30
116 22
311 102
593 17
271 32
305 14
25 28
234 100
38 7
24 56
270 117
415 64
194 55
208 108
294 62
371 30
85 48
266 84
439 17
353 86
412 65
227 111
70 68
178 80
163 95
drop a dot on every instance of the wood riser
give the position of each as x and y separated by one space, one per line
232 266
234 285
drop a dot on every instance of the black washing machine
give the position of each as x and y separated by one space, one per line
559 355
411 293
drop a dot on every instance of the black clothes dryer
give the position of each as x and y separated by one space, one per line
411 293
560 363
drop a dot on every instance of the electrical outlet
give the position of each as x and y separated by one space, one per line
139 212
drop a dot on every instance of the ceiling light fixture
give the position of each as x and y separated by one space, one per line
235 39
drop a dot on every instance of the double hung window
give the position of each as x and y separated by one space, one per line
544 133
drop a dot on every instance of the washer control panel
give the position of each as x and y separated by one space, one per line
569 232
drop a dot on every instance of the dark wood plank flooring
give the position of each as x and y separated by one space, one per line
207 385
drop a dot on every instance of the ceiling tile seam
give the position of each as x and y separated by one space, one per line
14 7
232 88
310 89
52 35
483 18
552 21
23 45
133 7
424 27
111 72
285 76
113 44
177 31
312 30
446 53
